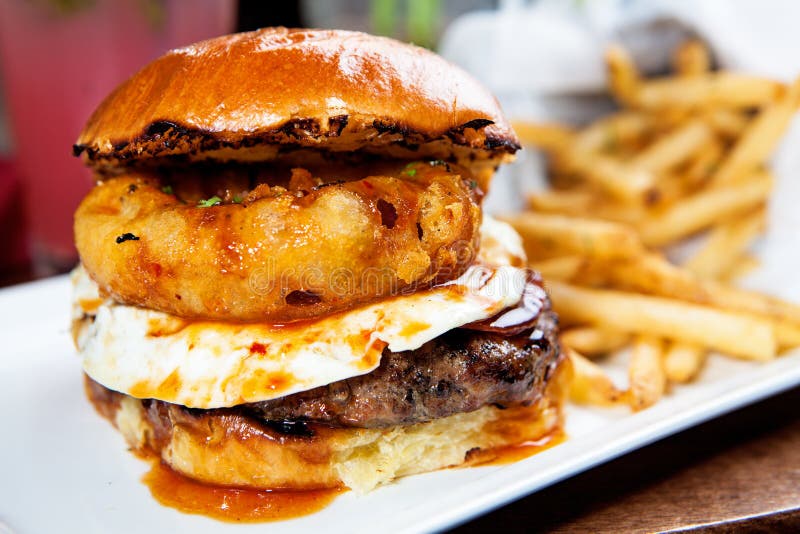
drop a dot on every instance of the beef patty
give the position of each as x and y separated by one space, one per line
459 371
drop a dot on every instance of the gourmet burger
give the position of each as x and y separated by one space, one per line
286 280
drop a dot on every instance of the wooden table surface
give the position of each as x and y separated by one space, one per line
738 473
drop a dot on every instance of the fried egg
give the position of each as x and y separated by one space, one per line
212 364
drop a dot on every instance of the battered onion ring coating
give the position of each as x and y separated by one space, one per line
279 255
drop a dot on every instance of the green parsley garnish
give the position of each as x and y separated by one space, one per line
207 203
410 170
473 184
167 189
237 199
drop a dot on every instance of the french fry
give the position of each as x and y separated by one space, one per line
560 268
669 118
593 341
578 201
740 335
669 188
586 157
725 245
610 133
788 334
749 301
561 176
590 384
758 142
647 273
547 136
562 201
630 214
674 148
704 163
613 176
653 275
686 153
727 122
623 78
700 211
682 361
691 58
646 377
547 236
716 89
741 267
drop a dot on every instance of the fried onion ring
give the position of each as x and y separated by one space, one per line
278 254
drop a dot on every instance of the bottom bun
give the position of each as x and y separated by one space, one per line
227 447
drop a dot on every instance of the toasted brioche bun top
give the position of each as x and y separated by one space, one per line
253 96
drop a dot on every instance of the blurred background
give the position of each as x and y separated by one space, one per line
59 58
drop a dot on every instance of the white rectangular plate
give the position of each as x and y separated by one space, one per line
64 469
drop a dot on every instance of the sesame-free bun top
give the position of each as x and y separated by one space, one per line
255 96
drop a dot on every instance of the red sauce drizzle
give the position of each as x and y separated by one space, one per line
258 348
515 453
234 505
520 317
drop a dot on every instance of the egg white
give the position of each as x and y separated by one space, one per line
213 364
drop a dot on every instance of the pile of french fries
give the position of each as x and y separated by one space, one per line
686 155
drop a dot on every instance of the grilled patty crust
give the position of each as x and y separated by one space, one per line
460 371
457 372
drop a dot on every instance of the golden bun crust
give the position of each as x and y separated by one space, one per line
238 96
221 447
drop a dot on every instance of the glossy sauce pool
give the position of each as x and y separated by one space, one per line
515 453
238 505
233 505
